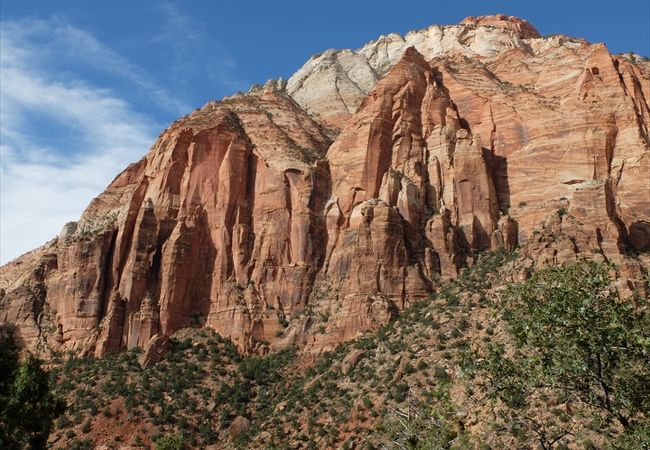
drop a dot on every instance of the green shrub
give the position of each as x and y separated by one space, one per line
574 340
399 392
27 406
85 428
83 444
170 442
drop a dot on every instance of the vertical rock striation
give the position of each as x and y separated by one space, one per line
305 213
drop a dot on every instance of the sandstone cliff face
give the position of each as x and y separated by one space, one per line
332 85
246 217
218 226
557 115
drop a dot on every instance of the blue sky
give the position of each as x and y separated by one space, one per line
85 87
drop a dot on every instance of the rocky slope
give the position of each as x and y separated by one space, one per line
305 213
405 385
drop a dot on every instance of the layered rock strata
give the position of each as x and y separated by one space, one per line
306 212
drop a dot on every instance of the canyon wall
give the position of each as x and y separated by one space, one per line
304 213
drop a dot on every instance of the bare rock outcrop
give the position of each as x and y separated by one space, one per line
155 350
332 85
520 27
304 214
241 425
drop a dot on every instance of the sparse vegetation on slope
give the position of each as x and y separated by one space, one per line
425 381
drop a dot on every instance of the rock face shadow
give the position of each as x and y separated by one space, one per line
499 169
639 236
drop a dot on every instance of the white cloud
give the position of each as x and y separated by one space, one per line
192 51
56 41
43 185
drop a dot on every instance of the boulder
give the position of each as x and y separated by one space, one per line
154 351
241 425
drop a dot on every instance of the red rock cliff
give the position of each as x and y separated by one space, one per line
245 216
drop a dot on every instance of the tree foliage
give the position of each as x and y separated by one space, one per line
27 407
574 339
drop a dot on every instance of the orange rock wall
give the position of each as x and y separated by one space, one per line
248 217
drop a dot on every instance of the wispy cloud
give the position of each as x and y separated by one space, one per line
54 44
43 183
193 52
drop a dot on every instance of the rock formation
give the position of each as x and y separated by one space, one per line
306 212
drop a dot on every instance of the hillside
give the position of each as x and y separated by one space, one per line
407 382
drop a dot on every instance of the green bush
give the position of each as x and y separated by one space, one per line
170 442
85 428
27 406
574 340
83 444
591 344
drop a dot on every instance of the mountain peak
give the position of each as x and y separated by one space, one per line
521 27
